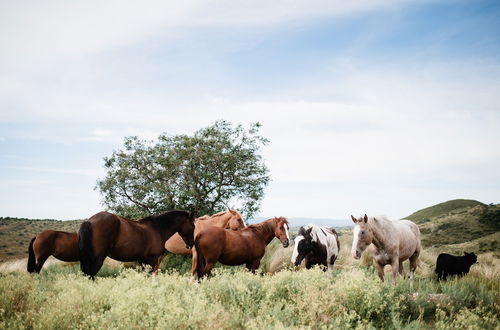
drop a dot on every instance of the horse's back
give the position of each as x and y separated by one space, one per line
409 228
409 238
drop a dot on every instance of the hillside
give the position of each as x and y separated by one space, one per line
451 226
15 234
440 209
460 224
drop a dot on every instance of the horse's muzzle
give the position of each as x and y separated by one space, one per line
286 242
357 254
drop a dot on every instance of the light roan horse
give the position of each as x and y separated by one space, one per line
106 234
230 219
245 246
60 244
393 242
317 245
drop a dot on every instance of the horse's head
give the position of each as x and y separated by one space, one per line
186 229
362 236
303 245
281 231
236 220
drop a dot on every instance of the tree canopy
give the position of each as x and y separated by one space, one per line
216 167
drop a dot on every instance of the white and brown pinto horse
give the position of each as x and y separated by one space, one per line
317 245
230 219
393 242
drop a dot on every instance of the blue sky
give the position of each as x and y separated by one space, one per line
378 107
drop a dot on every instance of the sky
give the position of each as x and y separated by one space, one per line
377 107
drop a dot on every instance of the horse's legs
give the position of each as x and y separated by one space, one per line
395 268
39 263
380 269
158 262
253 266
194 261
401 269
413 263
332 262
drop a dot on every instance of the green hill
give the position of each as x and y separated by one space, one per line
458 224
441 209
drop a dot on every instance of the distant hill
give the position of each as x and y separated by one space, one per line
297 222
426 214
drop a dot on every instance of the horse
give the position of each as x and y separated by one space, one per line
60 244
106 234
317 245
245 246
230 219
393 243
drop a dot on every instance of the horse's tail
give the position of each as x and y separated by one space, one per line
87 259
200 259
31 257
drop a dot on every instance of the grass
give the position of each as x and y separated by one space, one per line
346 298
441 209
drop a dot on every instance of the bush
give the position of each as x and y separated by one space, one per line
63 298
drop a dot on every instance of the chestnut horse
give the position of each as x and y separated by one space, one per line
60 244
393 243
106 234
245 246
230 219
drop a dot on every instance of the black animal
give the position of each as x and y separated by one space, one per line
447 264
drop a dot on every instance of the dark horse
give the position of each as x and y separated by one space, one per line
245 246
60 244
106 234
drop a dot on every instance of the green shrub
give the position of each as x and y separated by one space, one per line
345 298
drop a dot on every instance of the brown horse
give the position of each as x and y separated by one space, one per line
106 234
245 246
230 219
60 244
393 242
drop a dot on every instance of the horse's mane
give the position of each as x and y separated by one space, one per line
380 221
166 218
219 214
224 212
266 224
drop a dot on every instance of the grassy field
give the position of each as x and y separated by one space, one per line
281 296
349 297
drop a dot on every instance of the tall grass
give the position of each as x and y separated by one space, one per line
304 298
351 296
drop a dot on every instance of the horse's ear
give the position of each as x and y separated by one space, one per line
354 219
308 232
365 218
233 212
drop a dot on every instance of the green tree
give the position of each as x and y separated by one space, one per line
216 166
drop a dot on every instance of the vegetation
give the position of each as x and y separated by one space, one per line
441 209
218 165
347 298
124 296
